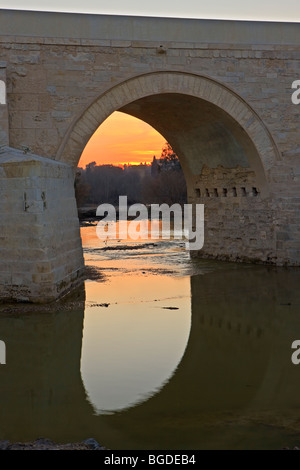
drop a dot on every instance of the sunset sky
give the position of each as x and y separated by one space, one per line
122 139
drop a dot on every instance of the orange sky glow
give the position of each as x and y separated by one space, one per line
122 139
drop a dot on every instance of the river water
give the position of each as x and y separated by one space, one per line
164 352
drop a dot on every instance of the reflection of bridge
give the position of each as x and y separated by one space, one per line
236 371
219 92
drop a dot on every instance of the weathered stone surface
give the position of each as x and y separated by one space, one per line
41 254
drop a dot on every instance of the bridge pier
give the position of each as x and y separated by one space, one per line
41 252
240 221
243 222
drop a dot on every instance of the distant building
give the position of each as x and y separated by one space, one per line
155 167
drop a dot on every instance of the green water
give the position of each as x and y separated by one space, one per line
165 352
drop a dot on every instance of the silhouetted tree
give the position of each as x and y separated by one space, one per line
82 189
167 182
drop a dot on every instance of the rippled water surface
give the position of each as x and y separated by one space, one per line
165 352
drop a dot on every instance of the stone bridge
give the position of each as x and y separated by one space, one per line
219 91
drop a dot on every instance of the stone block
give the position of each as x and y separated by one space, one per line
30 260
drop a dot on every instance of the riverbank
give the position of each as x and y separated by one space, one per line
47 444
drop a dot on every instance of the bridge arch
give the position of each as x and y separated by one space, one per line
206 122
226 151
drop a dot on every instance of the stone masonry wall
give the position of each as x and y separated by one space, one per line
240 225
40 249
51 81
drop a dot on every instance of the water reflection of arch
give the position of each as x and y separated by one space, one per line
237 366
236 370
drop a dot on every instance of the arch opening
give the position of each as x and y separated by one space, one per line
202 135
216 102
224 148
